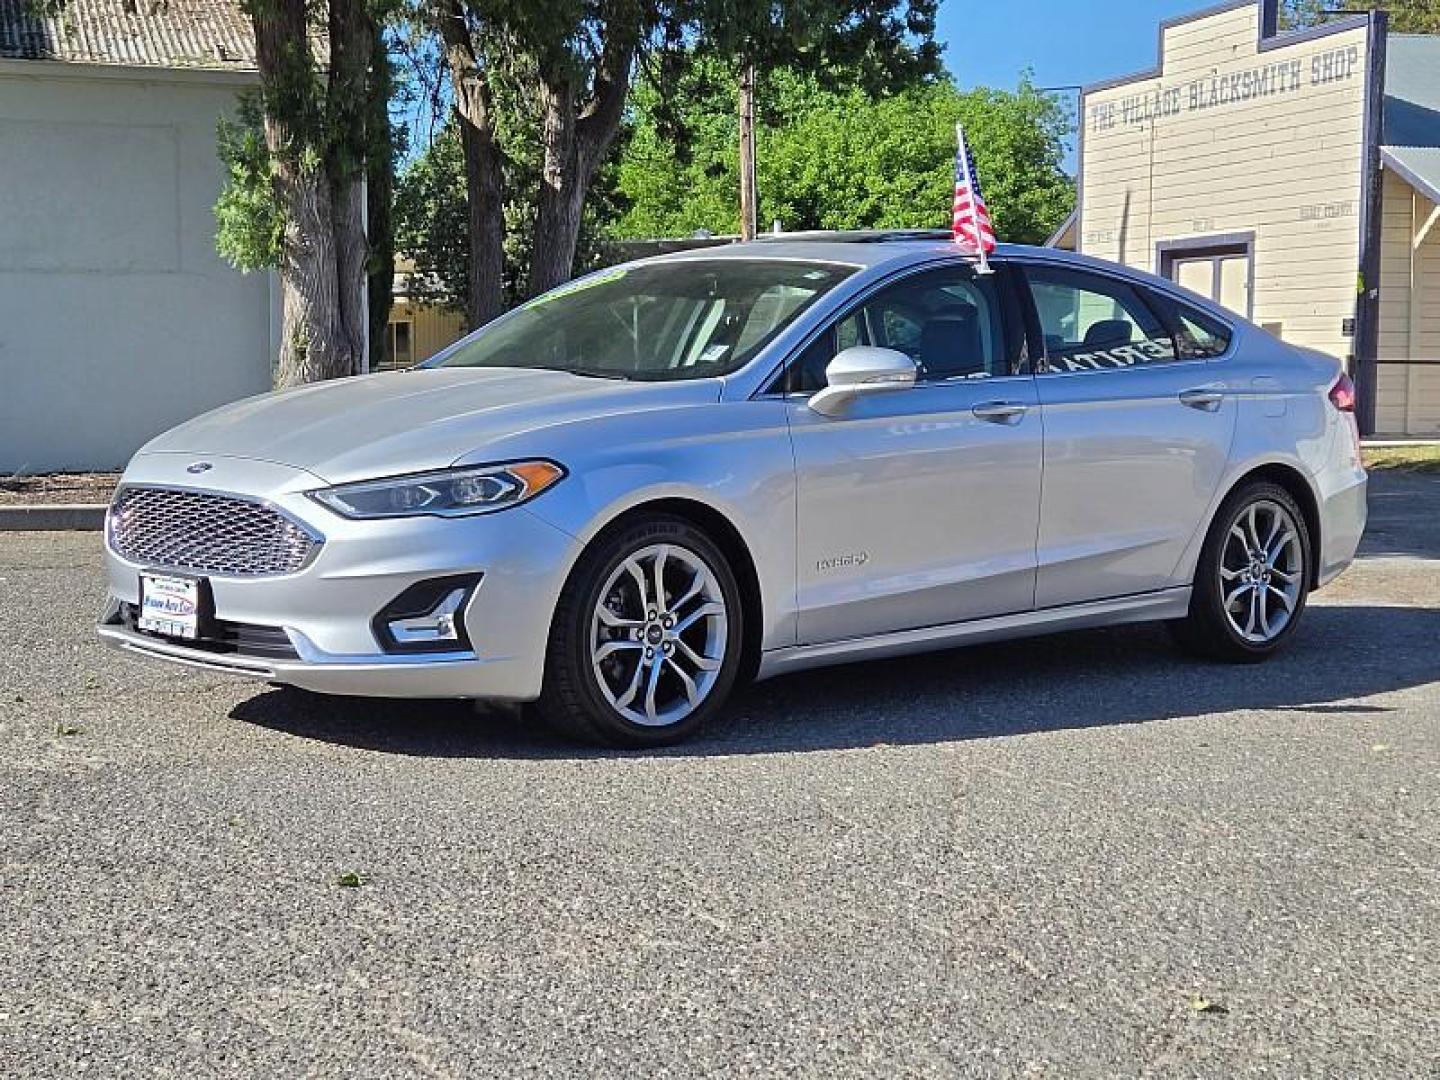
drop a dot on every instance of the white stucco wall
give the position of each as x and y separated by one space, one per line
117 318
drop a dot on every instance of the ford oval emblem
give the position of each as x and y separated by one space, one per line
199 467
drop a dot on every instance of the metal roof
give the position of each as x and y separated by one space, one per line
1412 90
212 34
1418 166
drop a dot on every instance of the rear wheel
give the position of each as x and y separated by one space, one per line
645 644
1251 582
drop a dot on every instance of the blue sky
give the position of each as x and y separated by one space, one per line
1064 41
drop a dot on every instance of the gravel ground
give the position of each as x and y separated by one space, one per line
1077 856
58 488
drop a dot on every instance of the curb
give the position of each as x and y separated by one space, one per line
57 517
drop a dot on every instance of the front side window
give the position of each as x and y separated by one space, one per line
951 322
1094 323
685 319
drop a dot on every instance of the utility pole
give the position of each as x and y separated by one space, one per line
748 192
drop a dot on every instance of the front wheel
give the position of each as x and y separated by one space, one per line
646 639
1251 582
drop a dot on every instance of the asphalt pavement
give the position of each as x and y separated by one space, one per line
1082 855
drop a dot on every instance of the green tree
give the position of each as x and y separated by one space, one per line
1406 16
840 159
297 162
575 62
432 211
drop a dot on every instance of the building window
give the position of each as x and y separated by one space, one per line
399 345
1220 269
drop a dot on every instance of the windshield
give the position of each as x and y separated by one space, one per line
686 319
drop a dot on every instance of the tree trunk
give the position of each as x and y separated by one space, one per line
575 139
484 180
352 37
379 194
484 191
316 342
562 189
352 252
313 346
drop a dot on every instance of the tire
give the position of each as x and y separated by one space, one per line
1231 567
608 637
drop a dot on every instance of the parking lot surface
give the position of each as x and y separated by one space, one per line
1082 855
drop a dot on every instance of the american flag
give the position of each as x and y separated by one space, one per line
970 222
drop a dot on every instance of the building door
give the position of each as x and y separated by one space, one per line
1222 272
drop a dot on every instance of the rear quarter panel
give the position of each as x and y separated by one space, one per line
1286 419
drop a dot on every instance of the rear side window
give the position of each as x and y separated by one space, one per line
1198 336
1094 323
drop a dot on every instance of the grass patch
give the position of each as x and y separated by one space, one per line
1415 459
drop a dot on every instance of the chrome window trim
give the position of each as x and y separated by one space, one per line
316 537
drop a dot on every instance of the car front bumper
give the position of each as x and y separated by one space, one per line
326 610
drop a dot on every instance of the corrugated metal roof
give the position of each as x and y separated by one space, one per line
1412 90
1419 166
144 33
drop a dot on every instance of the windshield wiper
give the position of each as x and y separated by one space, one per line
596 373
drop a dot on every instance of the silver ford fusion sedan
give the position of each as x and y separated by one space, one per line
627 495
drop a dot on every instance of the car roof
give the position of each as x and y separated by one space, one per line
866 248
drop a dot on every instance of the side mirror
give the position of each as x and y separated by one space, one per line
859 371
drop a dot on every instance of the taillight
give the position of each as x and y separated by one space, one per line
1342 394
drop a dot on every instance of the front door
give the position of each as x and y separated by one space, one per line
1138 424
919 507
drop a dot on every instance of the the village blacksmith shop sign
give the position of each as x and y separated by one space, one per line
1216 91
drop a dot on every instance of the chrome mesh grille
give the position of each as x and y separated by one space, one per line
215 534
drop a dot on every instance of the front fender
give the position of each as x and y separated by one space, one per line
734 459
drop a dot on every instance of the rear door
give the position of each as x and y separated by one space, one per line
1138 425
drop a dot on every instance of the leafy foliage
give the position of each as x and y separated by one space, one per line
319 122
431 215
248 219
1406 16
838 159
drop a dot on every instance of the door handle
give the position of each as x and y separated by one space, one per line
1000 412
1204 398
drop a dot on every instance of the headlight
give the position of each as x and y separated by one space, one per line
447 493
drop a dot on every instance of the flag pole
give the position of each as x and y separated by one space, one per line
963 151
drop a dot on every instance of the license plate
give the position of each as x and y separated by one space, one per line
170 605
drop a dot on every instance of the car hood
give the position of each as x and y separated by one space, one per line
409 421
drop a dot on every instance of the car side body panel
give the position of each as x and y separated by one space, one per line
1129 471
914 511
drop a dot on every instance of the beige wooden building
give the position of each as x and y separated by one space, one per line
1294 177
420 325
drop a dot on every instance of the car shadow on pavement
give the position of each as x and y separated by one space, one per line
1404 508
1084 679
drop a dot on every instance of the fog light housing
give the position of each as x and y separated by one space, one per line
427 617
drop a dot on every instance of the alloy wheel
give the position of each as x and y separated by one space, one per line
1262 571
658 635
